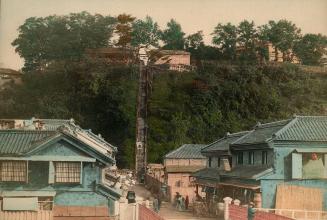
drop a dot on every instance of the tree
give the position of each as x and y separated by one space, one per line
310 48
145 32
124 29
247 40
173 36
225 36
282 34
194 41
43 40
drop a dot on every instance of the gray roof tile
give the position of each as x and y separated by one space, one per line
223 143
261 133
304 128
187 151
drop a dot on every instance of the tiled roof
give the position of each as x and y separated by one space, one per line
261 133
187 151
304 128
207 173
223 143
17 142
242 172
27 136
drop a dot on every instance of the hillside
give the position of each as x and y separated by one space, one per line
190 107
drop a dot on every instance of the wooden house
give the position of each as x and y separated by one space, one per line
53 169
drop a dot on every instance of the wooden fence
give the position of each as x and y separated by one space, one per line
26 215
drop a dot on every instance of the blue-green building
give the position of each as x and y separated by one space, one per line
252 165
56 168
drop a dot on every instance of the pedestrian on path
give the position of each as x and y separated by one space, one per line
251 211
186 202
156 205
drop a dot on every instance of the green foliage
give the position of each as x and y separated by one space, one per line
173 36
199 107
247 40
145 32
54 38
225 36
96 95
189 107
282 34
310 48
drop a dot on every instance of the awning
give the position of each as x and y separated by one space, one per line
311 150
27 193
240 185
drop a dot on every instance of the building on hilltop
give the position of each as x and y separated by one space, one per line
278 165
177 60
55 169
179 164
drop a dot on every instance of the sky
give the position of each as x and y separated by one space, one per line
193 15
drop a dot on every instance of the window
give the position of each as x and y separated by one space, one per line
264 157
239 158
218 161
251 157
309 166
67 172
13 171
209 161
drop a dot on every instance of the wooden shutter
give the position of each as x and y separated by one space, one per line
51 172
296 166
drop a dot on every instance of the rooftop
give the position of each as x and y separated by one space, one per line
21 136
187 151
304 128
223 143
297 128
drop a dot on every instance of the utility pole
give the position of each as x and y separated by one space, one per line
141 117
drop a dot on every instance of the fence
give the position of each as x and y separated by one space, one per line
147 214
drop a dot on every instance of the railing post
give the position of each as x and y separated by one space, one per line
293 214
227 201
305 214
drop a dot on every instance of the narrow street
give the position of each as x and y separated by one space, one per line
167 211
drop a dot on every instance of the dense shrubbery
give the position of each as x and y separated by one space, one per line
193 107
202 106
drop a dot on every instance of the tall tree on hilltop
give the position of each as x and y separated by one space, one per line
42 40
282 34
194 41
225 36
124 29
145 32
310 48
247 40
173 36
